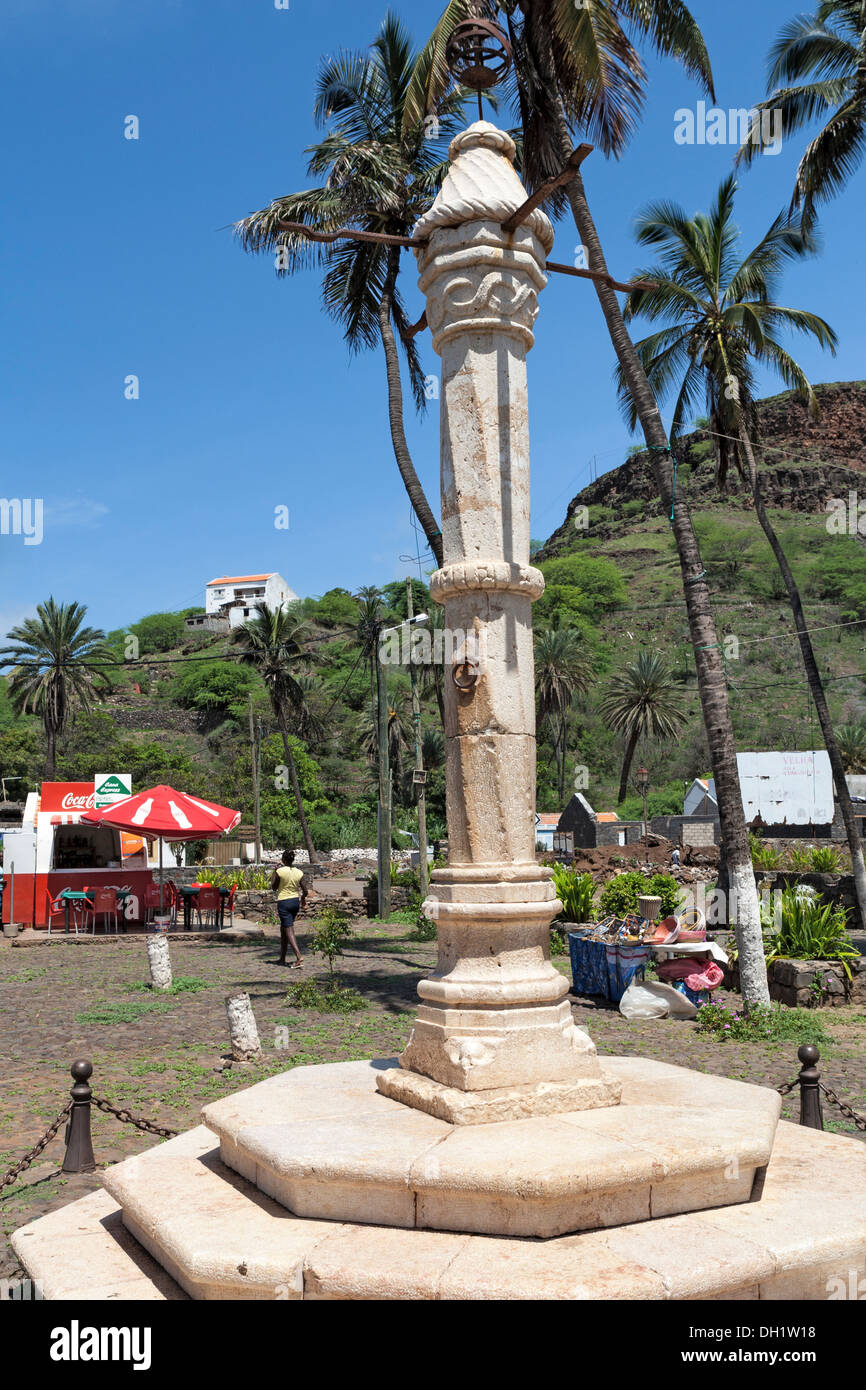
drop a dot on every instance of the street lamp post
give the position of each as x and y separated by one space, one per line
643 785
384 809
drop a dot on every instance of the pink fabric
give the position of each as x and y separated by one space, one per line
697 974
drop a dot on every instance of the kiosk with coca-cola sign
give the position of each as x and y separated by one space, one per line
54 850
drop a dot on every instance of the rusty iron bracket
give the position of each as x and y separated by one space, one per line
385 239
575 159
601 275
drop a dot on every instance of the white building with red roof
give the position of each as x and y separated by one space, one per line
233 598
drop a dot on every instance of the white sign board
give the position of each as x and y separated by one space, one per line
787 788
110 787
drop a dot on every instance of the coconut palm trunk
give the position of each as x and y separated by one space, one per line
709 666
813 676
411 481
296 786
630 746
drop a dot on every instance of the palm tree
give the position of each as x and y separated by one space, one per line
818 70
575 68
721 319
561 673
400 735
851 739
367 630
274 644
641 701
381 173
55 668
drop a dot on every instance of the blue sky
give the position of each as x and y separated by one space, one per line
120 261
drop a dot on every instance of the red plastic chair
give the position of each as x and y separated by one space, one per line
152 899
104 904
230 904
208 901
56 907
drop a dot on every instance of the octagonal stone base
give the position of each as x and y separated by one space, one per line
324 1143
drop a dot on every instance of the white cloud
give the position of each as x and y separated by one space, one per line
74 511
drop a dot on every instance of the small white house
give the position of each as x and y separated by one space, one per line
545 828
235 597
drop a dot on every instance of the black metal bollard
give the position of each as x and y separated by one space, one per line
810 1095
79 1147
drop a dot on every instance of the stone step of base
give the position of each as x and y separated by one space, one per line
326 1144
803 1236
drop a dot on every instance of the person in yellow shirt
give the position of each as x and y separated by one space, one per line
290 886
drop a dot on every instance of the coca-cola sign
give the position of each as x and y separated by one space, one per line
66 796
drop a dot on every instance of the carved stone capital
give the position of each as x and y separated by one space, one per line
458 580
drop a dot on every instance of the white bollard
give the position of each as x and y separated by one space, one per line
242 1028
160 961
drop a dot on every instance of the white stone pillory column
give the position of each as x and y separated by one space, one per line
494 1037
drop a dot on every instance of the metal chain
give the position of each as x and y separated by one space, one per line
126 1117
784 1090
25 1162
833 1099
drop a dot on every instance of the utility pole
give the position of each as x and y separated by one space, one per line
383 848
420 777
255 744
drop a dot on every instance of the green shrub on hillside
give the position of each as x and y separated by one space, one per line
158 632
215 685
336 608
597 580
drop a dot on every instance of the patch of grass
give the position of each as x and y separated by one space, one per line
181 984
332 998
32 972
762 1024
125 1010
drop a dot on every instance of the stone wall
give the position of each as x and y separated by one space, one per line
810 984
834 888
257 905
816 983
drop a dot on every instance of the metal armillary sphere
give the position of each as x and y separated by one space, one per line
478 54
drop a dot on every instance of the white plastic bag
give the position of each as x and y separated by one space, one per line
652 999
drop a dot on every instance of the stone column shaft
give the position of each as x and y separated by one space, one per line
494 1035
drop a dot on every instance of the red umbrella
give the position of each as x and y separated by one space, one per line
163 813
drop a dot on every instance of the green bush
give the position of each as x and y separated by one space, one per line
810 930
331 998
221 686
575 891
619 896
425 928
800 857
599 584
825 861
764 856
158 632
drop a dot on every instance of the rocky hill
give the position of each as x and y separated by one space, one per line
618 520
804 463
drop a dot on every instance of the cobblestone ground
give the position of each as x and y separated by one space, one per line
163 1057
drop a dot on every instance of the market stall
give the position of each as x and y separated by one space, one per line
57 851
